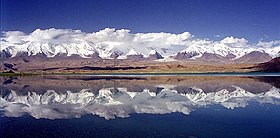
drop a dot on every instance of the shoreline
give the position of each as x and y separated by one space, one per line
104 74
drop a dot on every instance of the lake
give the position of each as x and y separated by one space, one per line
140 106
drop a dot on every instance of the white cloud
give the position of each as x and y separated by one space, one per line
55 35
14 37
234 42
110 34
270 44
124 36
218 36
105 35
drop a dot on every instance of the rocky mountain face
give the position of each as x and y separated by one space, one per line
4 54
135 57
211 57
254 57
154 55
271 66
185 55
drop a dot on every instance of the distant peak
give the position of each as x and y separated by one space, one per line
152 52
133 52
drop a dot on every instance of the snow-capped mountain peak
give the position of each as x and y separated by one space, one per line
152 52
133 52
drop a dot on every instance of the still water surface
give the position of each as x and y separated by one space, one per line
140 106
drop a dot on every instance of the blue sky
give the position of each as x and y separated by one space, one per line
252 19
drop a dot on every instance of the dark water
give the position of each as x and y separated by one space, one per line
140 106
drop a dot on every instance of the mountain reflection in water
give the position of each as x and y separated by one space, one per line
57 97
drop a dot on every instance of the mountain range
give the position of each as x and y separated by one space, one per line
121 44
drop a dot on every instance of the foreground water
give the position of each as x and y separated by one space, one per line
140 106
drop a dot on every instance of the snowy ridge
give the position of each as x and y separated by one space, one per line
133 52
118 102
52 42
152 52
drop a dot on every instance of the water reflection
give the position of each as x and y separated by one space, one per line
56 97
